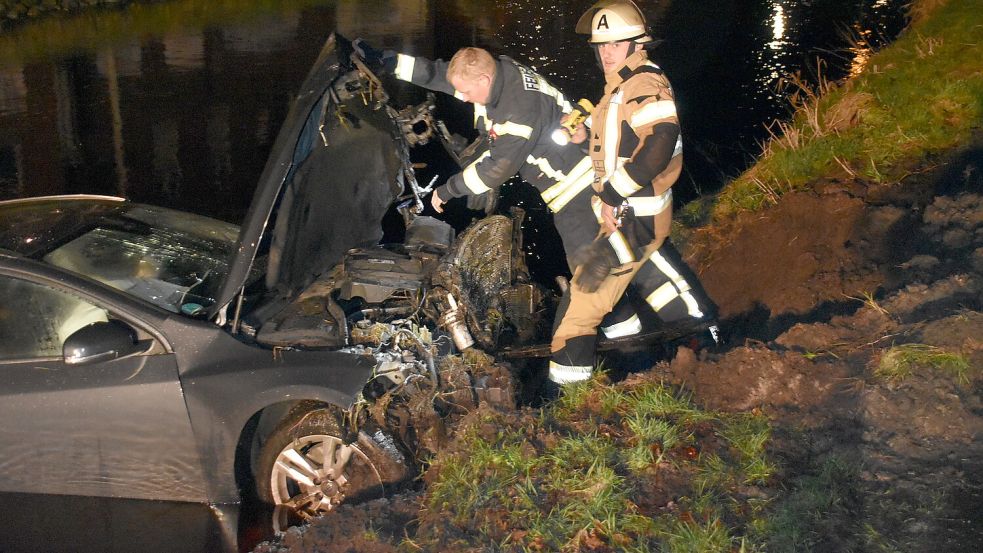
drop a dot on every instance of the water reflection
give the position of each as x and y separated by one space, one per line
185 114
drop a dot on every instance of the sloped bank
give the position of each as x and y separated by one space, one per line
876 407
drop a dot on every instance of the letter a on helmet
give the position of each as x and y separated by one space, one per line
614 21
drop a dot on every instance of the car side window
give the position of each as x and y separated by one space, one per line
35 320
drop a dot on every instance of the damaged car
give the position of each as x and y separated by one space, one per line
155 354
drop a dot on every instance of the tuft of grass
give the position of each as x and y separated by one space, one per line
712 473
921 10
656 436
693 537
748 434
870 301
875 541
574 398
899 362
370 534
659 400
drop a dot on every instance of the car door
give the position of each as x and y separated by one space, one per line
116 427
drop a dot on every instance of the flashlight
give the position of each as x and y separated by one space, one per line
581 110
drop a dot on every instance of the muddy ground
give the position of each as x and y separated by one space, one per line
813 293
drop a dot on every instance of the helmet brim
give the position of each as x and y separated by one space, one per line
643 38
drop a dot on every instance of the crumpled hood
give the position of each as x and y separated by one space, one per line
332 173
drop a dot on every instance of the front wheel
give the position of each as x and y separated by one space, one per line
307 469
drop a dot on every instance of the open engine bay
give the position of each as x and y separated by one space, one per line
432 310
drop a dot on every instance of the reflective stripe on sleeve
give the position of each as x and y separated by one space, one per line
561 193
611 133
621 248
471 178
623 184
651 205
577 185
562 184
652 112
404 67
479 112
566 374
514 129
546 168
629 327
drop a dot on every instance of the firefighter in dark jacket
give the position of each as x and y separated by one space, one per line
636 151
516 110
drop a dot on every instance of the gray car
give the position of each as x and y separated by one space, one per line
135 342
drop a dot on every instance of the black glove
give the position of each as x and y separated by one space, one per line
595 261
380 62
486 201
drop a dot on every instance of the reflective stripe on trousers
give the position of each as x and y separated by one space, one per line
670 287
582 313
574 362
622 320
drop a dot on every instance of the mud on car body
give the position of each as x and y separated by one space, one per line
150 353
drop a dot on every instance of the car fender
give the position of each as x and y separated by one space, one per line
226 382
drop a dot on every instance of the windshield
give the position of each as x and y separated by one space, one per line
172 259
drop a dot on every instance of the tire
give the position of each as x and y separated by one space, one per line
305 469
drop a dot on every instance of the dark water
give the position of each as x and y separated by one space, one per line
184 116
179 107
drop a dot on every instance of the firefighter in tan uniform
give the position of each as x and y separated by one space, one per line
636 151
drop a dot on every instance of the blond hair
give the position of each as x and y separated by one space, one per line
470 63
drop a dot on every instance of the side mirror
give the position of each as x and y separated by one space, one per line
100 341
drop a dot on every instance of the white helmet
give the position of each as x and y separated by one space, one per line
614 21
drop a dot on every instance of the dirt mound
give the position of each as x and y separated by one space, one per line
886 382
802 253
913 444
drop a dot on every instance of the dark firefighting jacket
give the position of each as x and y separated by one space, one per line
522 111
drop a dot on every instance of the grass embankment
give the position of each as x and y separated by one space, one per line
920 96
630 467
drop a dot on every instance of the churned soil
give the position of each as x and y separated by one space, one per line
814 292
